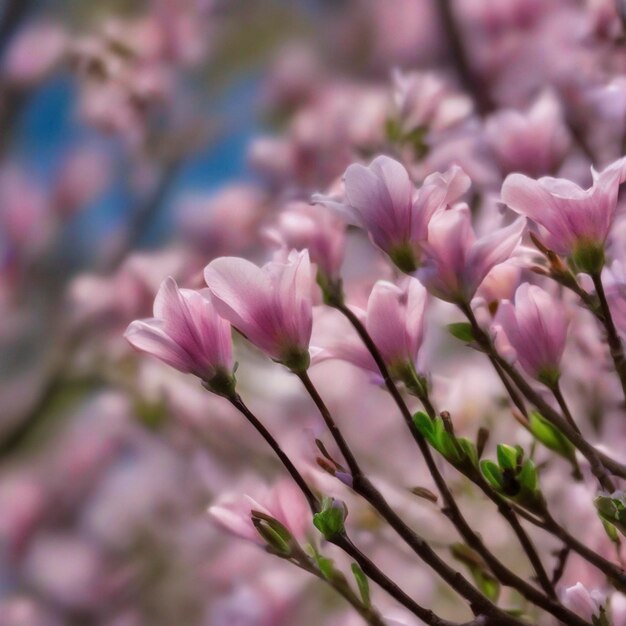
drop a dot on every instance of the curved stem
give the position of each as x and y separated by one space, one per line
362 486
368 613
612 337
558 395
600 464
312 499
372 571
505 575
611 570
478 602
368 567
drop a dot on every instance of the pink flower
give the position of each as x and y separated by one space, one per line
455 262
423 100
270 305
302 226
34 53
575 221
534 142
283 502
382 199
580 601
395 320
500 283
185 333
536 327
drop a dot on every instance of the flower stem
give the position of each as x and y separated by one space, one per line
368 567
312 499
613 340
478 602
600 464
452 510
558 395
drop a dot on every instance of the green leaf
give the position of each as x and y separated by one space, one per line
507 456
424 425
462 331
330 520
528 476
611 531
492 473
326 566
551 437
469 449
362 584
449 448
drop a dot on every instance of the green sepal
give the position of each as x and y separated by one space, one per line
362 584
462 331
551 437
277 537
508 456
325 565
458 451
492 473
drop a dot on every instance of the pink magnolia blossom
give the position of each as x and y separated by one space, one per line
302 226
270 305
534 142
536 327
382 199
455 261
185 333
580 601
574 221
424 101
283 502
500 283
395 320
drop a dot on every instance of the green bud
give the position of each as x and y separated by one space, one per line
612 509
552 438
363 585
277 537
330 520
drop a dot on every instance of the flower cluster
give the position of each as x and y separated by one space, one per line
391 363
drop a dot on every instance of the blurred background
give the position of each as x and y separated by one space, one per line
143 139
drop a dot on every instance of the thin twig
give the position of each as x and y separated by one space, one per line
600 464
478 602
612 337
342 541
